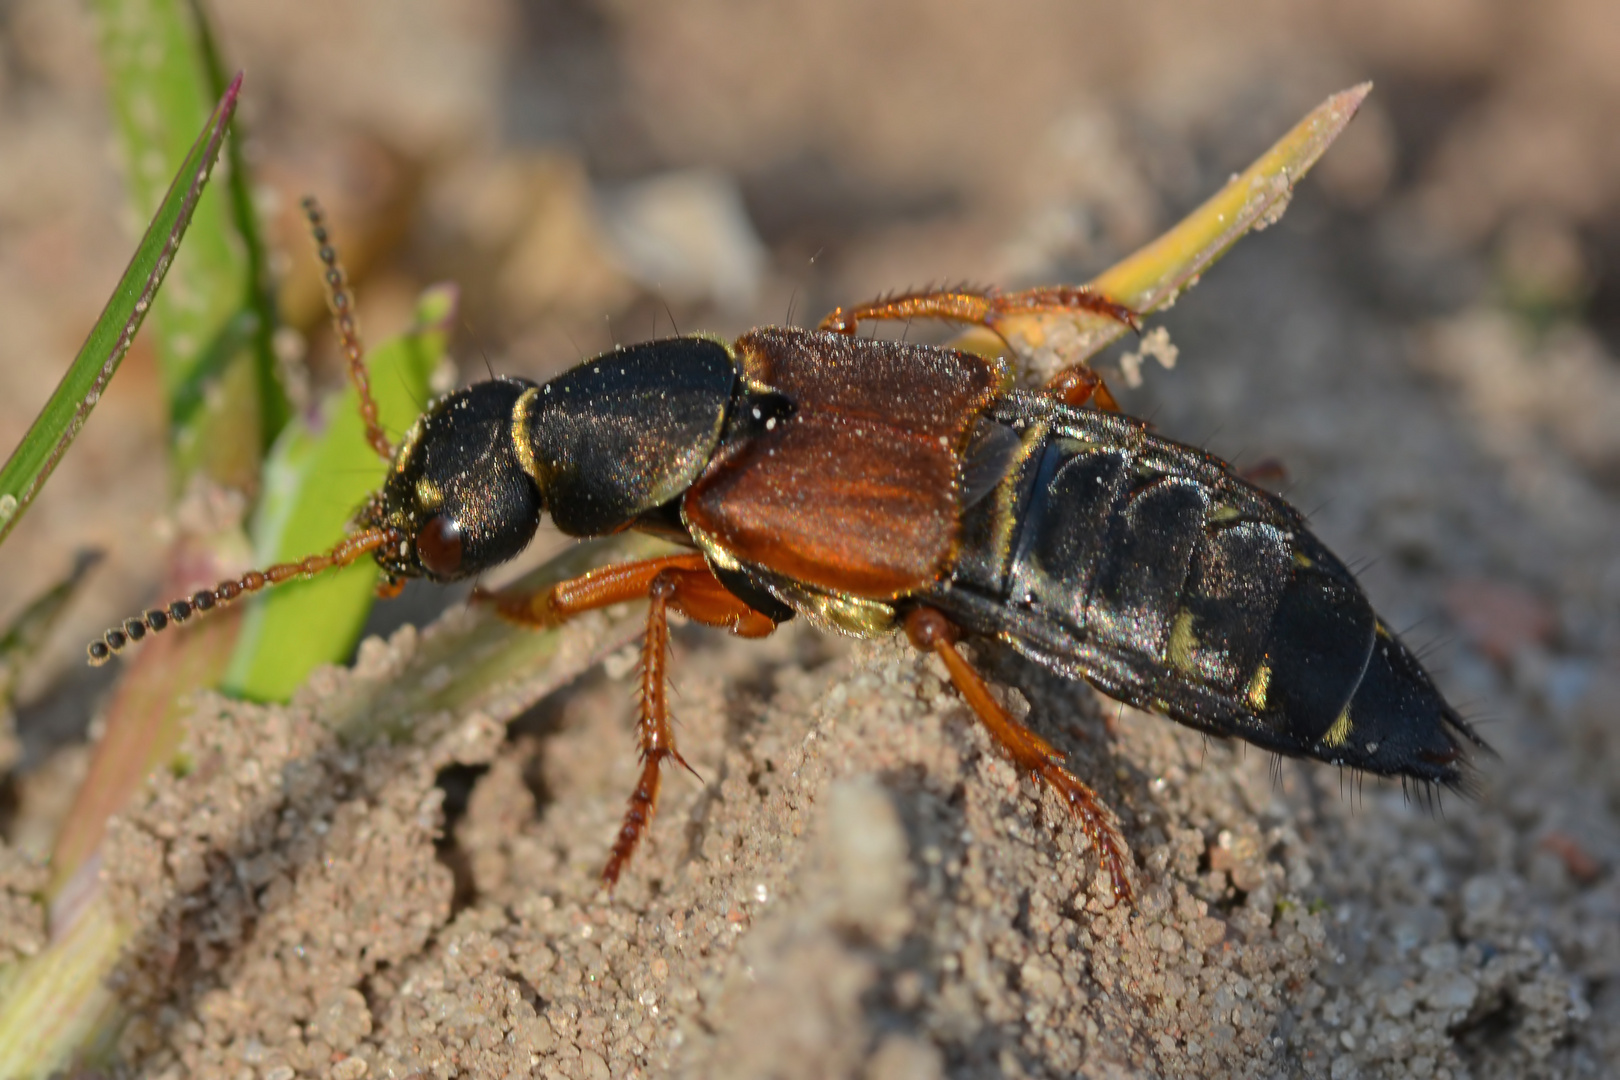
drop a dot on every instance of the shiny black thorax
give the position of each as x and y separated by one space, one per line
1150 570
628 432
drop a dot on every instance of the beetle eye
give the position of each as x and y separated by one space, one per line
438 545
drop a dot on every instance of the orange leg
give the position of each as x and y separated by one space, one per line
617 584
980 307
1268 473
700 597
1076 385
681 583
930 630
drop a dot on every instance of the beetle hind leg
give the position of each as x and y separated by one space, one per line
930 630
979 307
1075 385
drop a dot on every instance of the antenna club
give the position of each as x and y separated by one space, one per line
157 620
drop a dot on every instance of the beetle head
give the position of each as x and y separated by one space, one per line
457 494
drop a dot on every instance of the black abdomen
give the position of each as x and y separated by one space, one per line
1148 569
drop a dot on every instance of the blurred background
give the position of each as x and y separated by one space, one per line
1429 341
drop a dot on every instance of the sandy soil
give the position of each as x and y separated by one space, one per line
859 886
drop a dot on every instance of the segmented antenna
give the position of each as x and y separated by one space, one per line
200 603
342 305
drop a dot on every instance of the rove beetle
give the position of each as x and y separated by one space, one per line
875 486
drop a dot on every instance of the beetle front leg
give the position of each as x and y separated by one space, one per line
980 307
696 594
680 583
616 584
931 631
653 731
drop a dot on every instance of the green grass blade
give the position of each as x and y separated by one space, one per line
159 76
315 479
54 430
20 642
57 1005
259 300
21 639
1152 277
212 338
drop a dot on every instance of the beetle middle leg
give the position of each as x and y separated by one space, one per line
930 630
1078 385
680 583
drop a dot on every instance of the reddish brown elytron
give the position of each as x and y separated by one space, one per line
856 494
